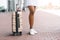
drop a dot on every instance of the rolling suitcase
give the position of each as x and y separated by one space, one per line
17 19
17 23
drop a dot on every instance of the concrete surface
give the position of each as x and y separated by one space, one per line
47 25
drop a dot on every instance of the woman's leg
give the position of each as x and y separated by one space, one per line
31 15
31 19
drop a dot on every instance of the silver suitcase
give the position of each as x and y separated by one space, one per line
17 23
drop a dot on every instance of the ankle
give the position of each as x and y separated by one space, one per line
31 28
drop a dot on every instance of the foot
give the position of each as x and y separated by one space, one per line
33 32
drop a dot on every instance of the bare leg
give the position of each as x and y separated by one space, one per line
31 15
31 19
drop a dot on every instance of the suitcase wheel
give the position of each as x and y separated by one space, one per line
17 34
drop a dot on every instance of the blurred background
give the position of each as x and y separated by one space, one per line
10 5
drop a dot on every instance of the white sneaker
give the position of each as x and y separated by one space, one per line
33 32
